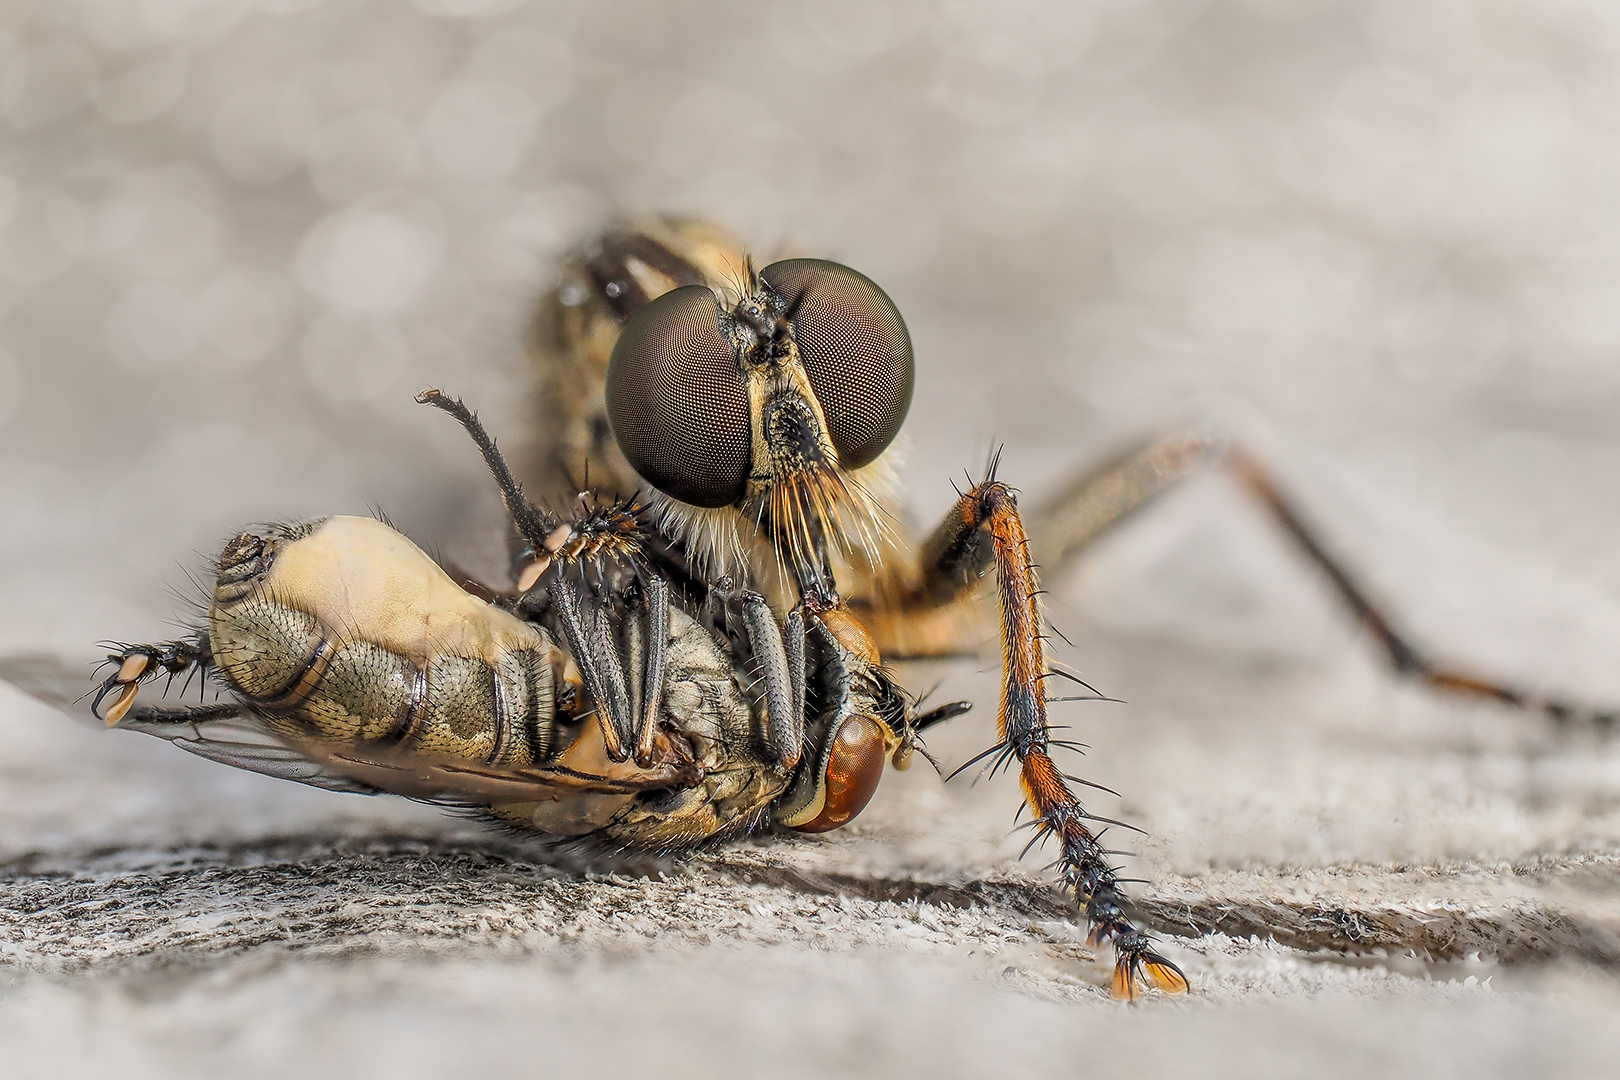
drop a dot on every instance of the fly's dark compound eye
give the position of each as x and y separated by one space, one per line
855 349
677 401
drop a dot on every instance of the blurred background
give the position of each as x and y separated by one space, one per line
1377 241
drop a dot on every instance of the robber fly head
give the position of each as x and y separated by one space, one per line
768 406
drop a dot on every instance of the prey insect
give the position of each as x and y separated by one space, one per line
588 704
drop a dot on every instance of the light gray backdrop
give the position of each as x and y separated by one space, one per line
1380 242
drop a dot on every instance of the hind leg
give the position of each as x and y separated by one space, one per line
1067 525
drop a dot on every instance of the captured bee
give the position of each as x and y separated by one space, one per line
586 705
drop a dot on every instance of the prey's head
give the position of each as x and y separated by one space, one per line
759 414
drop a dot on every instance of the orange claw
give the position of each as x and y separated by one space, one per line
1161 972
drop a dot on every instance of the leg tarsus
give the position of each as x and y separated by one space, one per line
793 638
1404 658
534 524
598 530
148 717
136 664
600 667
1072 521
652 673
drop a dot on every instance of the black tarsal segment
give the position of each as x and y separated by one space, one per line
752 626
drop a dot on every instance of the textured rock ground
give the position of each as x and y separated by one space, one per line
1378 241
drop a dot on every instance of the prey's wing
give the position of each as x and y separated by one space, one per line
230 734
232 737
49 679
457 782
220 732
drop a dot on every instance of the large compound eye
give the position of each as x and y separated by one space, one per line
855 349
677 401
854 768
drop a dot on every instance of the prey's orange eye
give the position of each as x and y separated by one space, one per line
853 770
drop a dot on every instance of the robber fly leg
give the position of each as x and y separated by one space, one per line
985 526
611 530
645 641
602 669
534 523
135 664
776 654
1403 656
1071 522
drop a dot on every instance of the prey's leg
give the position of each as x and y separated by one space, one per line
985 525
150 718
136 664
1070 523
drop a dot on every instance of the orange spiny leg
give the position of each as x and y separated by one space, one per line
991 509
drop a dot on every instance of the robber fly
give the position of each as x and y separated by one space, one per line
745 417
588 702
754 410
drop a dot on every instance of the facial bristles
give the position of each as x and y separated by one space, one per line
819 496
